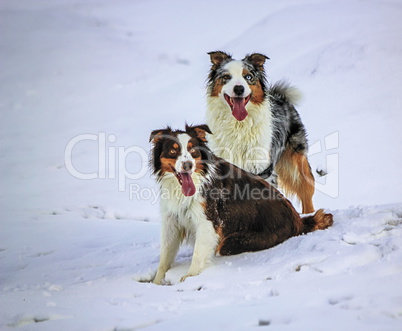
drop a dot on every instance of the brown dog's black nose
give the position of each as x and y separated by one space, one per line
238 90
187 165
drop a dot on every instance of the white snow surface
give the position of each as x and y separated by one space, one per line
74 252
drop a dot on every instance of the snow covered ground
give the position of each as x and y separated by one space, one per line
83 83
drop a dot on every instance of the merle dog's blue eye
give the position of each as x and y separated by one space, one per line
248 77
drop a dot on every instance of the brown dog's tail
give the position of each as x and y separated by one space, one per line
318 221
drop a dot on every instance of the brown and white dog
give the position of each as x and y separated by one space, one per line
215 205
257 127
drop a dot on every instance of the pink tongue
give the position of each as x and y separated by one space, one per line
239 110
187 187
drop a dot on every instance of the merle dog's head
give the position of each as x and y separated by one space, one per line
181 153
237 82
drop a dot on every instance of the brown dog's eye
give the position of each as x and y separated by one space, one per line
172 152
195 153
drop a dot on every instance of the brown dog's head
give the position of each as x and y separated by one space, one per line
181 153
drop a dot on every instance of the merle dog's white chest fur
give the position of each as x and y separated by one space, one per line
246 143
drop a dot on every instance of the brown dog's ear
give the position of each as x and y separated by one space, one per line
157 135
200 131
218 57
257 60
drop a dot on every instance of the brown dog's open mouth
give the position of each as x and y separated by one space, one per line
238 106
186 182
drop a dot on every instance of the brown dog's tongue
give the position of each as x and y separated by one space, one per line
239 110
187 187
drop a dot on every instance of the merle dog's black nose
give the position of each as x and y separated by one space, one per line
187 165
238 89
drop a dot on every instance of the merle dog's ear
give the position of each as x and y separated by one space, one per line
158 135
200 131
218 57
257 60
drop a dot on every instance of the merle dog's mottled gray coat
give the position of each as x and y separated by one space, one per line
288 129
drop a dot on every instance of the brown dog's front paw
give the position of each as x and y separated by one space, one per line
182 279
